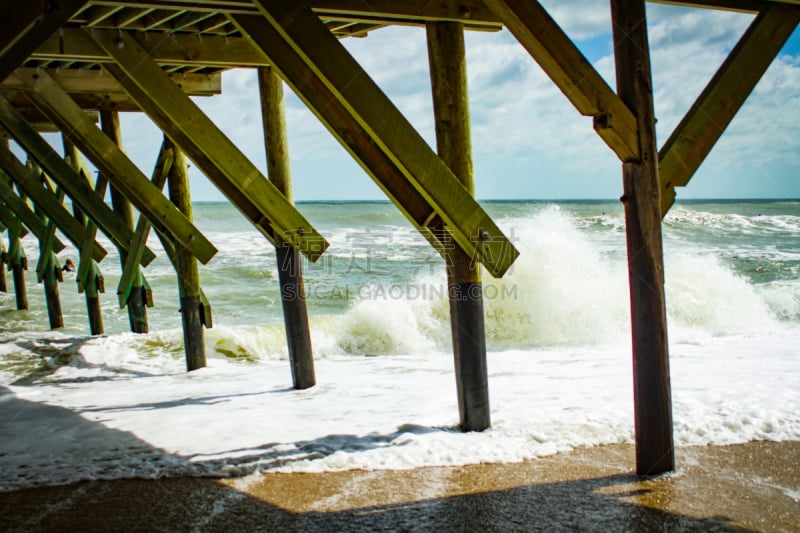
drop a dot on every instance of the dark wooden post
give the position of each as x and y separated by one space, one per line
16 260
3 258
290 268
51 293
651 385
17 264
88 272
186 267
48 269
137 309
448 68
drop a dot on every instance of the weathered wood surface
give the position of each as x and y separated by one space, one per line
290 266
655 453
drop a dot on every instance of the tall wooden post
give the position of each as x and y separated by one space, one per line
17 264
186 267
88 274
51 294
3 259
16 260
137 309
448 68
290 268
651 384
48 269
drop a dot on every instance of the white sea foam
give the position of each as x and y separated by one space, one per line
89 421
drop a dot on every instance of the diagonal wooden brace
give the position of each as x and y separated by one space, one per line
704 123
25 215
314 53
224 164
120 170
130 271
76 185
561 60
46 201
27 25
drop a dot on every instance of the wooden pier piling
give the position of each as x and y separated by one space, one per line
186 268
651 383
17 264
3 283
136 303
290 267
48 269
88 272
52 297
448 68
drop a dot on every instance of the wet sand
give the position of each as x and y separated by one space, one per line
748 487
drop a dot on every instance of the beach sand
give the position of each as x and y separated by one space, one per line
753 486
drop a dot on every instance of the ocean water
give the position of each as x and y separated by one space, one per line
121 405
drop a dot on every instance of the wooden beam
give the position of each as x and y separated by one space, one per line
48 268
655 453
33 116
7 219
224 164
353 137
448 68
119 169
26 25
561 60
3 254
17 262
473 13
130 270
46 201
710 115
25 214
741 6
76 186
98 82
88 275
91 103
136 303
290 267
469 12
186 269
164 48
323 57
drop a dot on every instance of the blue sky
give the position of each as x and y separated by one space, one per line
528 141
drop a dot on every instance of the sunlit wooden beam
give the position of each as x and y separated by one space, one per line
561 60
115 165
76 186
715 108
224 164
310 55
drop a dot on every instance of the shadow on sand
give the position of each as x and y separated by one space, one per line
197 504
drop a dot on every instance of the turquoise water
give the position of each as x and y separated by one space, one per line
725 261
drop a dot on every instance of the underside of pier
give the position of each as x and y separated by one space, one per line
71 66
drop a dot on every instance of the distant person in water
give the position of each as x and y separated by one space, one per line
69 266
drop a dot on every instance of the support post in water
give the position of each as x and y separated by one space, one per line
18 264
136 303
16 260
88 276
290 269
448 68
651 383
48 269
3 260
186 267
